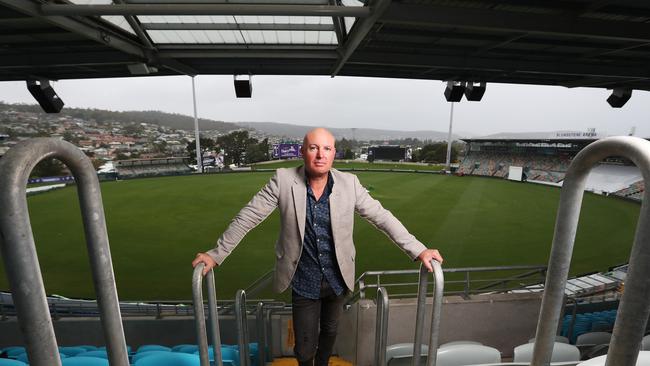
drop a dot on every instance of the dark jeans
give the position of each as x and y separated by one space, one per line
308 314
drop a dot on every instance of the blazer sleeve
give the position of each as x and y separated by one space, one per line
371 210
255 211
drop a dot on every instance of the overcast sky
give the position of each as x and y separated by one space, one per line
393 104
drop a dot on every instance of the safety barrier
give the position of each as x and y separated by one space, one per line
199 316
634 307
439 283
21 260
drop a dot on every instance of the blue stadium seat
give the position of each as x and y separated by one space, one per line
88 347
229 355
24 358
178 347
72 351
10 362
169 359
152 347
189 348
84 361
14 351
100 353
140 355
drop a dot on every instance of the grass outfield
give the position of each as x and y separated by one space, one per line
157 225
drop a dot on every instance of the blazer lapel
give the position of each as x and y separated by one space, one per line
299 191
334 200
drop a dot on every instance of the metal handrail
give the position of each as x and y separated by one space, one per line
21 260
261 333
634 307
436 310
199 316
381 327
361 285
242 328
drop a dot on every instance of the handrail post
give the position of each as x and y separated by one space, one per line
199 316
21 260
381 327
242 328
261 333
634 307
436 311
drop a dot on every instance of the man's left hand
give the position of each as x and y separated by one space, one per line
427 255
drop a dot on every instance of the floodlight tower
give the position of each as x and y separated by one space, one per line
199 158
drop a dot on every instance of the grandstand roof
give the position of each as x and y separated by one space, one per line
572 43
553 136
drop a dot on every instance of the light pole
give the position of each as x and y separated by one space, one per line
449 142
199 158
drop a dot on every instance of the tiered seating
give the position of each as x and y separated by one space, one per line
633 191
151 167
540 167
588 322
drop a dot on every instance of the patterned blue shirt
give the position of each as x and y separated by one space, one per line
318 258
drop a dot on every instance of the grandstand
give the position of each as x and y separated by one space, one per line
138 168
545 158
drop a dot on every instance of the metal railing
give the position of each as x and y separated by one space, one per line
199 316
381 328
634 307
242 328
468 285
21 261
436 310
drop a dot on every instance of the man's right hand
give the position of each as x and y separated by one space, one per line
205 259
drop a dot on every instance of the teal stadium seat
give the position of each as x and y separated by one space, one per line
11 362
169 359
152 347
72 351
100 353
84 361
140 355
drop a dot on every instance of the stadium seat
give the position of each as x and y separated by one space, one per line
72 351
14 351
467 354
178 347
84 361
401 354
594 338
11 362
559 339
188 348
144 354
562 352
152 347
643 360
460 342
229 355
169 359
100 353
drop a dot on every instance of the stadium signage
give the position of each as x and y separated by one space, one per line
51 180
576 134
284 151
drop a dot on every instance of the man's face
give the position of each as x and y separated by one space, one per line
318 152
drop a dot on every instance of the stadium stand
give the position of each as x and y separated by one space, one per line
138 168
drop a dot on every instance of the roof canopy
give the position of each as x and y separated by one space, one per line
594 43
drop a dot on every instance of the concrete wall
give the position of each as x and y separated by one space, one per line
502 321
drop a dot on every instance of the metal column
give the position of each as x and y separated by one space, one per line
435 314
634 307
199 316
21 261
381 327
242 328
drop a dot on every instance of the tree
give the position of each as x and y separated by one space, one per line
206 145
235 145
435 153
257 152
47 168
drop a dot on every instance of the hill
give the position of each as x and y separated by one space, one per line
172 120
364 134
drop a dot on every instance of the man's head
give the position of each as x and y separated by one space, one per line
318 151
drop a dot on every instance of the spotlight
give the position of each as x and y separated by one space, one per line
474 91
45 96
243 86
619 97
454 91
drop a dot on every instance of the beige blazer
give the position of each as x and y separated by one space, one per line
287 190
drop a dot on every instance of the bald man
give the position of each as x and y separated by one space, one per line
314 252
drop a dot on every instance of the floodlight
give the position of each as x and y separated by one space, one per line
45 95
243 86
474 91
619 97
454 91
